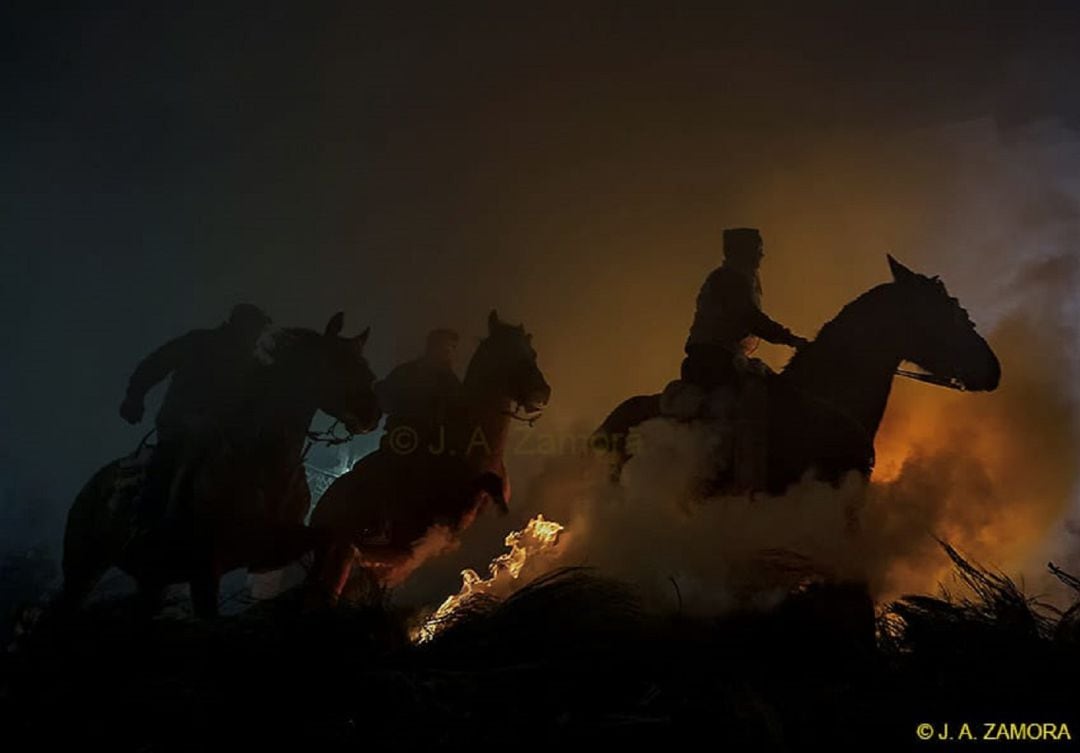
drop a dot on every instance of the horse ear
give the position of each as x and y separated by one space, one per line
900 273
362 338
335 325
493 321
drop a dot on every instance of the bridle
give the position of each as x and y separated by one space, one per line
951 383
520 413
328 437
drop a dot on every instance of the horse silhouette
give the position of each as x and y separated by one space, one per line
825 407
242 503
381 512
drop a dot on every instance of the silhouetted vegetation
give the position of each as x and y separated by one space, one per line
569 660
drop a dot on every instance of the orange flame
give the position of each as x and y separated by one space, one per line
539 537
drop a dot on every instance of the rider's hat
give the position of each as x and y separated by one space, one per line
741 240
437 337
248 316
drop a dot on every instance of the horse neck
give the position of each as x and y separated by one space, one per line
851 363
286 402
488 415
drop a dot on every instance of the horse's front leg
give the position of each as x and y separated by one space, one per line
205 591
205 581
330 572
149 596
342 558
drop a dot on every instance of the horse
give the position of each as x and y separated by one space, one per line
394 508
243 502
825 406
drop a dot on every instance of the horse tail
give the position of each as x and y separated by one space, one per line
98 525
612 434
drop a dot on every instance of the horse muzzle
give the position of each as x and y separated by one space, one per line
986 378
535 400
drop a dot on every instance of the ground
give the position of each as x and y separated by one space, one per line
570 660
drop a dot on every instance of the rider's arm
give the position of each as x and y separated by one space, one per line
758 321
771 331
159 364
393 390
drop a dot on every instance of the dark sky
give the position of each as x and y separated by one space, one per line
416 166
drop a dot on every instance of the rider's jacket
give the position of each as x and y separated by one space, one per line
209 368
729 313
418 394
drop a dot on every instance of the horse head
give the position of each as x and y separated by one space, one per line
344 379
504 365
938 335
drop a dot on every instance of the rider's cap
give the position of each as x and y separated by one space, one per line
248 316
741 239
437 337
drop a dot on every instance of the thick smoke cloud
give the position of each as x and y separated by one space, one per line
993 474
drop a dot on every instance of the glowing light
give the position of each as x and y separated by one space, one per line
537 538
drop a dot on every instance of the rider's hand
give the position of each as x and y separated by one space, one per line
758 367
131 410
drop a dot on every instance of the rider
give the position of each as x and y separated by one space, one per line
727 319
418 395
208 368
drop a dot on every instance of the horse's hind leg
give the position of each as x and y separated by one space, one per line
149 596
91 538
84 562
81 574
205 590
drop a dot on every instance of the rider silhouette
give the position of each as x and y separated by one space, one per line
419 394
729 315
209 368
727 319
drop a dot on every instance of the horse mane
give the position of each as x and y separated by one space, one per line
473 369
284 355
278 344
853 314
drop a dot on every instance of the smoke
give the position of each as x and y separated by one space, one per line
993 474
574 171
990 474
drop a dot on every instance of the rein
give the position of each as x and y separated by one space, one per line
329 437
519 414
144 442
952 384
919 376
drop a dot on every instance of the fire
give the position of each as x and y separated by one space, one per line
537 538
976 471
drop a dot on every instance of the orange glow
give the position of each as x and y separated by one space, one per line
537 538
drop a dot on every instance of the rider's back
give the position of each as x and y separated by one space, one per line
209 369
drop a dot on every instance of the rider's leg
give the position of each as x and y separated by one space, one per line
751 435
708 366
153 498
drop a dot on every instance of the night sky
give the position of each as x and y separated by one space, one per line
572 166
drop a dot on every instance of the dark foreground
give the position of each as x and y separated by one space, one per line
566 663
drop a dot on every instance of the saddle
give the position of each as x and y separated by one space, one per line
686 401
737 416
